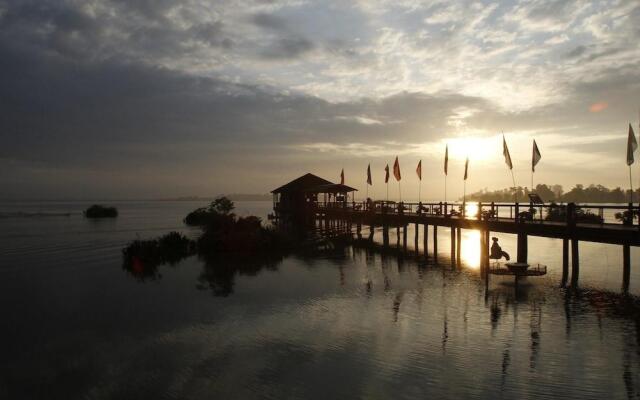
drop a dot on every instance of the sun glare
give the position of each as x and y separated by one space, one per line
473 147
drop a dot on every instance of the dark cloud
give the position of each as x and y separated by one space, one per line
269 21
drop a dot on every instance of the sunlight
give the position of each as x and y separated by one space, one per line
475 148
471 210
470 249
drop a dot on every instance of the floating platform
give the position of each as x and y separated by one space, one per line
517 269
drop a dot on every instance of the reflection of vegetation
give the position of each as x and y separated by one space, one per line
142 257
578 194
219 271
228 245
558 213
99 211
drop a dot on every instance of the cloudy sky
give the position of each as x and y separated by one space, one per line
153 98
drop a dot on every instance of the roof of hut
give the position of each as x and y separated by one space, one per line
304 183
310 183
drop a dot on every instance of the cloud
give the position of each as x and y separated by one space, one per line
138 97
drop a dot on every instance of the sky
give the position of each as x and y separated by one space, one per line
159 98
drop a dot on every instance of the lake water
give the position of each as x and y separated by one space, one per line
336 323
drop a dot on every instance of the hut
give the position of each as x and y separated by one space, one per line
297 200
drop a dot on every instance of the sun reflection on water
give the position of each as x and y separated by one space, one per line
470 249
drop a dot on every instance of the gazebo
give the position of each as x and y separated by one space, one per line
296 200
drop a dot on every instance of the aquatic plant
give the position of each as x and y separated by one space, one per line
100 211
142 257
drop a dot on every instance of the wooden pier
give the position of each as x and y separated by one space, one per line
313 201
584 222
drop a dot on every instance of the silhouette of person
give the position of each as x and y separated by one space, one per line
496 251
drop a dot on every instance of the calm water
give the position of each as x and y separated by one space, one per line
339 323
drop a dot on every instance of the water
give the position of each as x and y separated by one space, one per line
341 323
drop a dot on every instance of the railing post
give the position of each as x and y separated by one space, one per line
517 212
493 210
445 208
479 216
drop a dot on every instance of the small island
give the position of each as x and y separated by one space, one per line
100 211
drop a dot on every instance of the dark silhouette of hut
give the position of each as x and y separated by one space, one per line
297 200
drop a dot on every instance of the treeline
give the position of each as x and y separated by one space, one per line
555 193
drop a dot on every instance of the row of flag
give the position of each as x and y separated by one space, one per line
535 159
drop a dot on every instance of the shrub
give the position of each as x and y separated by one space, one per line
218 213
99 211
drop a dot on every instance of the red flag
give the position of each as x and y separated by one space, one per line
369 182
419 170
396 170
505 153
342 177
386 174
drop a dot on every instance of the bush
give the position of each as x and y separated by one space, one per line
142 257
558 213
217 213
99 211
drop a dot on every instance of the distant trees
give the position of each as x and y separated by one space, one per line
555 193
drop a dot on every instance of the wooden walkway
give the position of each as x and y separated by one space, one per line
612 224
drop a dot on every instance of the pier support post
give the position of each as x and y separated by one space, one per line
575 263
404 237
482 250
385 235
523 249
425 240
565 262
458 246
435 243
453 247
626 267
417 232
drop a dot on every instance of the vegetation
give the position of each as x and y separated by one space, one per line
555 193
142 257
219 212
99 211
559 214
223 234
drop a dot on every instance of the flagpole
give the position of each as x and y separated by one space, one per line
445 188
387 190
515 189
419 190
631 186
399 191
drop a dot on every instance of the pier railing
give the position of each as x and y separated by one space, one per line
571 213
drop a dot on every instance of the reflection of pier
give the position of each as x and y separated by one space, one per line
328 207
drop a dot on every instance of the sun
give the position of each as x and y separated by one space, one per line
476 148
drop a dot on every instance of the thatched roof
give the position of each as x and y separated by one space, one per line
310 183
302 184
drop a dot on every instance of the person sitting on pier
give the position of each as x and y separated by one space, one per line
496 251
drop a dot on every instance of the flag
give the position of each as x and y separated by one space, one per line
446 159
466 169
369 175
536 156
419 170
505 152
342 177
632 145
386 174
396 170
